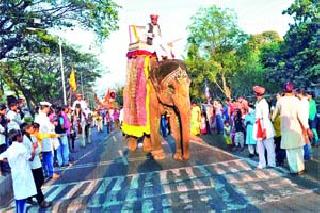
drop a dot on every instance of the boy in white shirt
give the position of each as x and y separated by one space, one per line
22 179
35 165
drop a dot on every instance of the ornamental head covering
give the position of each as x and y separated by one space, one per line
154 16
288 87
259 90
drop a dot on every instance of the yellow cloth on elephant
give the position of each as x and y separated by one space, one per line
136 103
195 120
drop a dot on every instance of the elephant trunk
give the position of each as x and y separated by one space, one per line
184 120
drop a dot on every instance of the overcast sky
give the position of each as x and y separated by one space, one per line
254 16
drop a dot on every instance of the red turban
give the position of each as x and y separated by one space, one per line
154 16
288 87
259 90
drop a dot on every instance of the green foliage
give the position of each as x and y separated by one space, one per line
100 16
299 56
213 45
35 72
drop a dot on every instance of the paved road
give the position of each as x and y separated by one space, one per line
107 178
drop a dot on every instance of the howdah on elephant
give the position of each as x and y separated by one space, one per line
169 92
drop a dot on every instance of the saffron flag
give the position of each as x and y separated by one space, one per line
72 81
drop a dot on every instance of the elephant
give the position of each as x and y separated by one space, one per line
169 92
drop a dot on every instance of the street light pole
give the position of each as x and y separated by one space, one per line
62 75
82 85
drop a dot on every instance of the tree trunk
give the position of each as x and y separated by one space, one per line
226 88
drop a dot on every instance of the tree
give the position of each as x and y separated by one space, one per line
213 45
35 72
255 53
299 56
101 16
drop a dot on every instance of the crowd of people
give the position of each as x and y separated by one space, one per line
272 129
33 149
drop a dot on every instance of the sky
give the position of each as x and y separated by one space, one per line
254 17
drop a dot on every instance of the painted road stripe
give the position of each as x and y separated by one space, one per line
54 194
73 190
89 189
124 159
103 186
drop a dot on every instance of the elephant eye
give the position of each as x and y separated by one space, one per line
171 88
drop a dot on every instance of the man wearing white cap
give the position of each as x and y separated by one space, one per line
47 146
80 101
154 38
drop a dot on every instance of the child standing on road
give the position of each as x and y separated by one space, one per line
239 130
22 179
227 134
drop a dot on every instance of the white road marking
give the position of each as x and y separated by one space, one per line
124 159
73 190
54 194
103 186
90 187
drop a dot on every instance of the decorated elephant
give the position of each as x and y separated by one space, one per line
168 91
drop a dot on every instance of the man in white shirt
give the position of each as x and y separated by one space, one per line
79 100
13 116
154 38
47 146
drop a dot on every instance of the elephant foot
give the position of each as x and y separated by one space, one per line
186 156
132 144
177 156
147 144
158 155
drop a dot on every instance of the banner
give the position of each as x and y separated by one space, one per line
72 81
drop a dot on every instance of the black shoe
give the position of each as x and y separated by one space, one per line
45 204
31 202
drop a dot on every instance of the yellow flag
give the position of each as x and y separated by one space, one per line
72 80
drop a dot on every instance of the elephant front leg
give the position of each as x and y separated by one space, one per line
132 143
147 144
176 134
156 146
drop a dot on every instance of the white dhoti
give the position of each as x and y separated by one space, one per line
295 160
267 144
159 47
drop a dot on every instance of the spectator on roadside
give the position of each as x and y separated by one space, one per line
195 119
280 153
250 141
45 128
61 128
227 134
4 168
35 164
313 118
239 130
203 124
22 178
13 116
99 121
304 112
218 115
